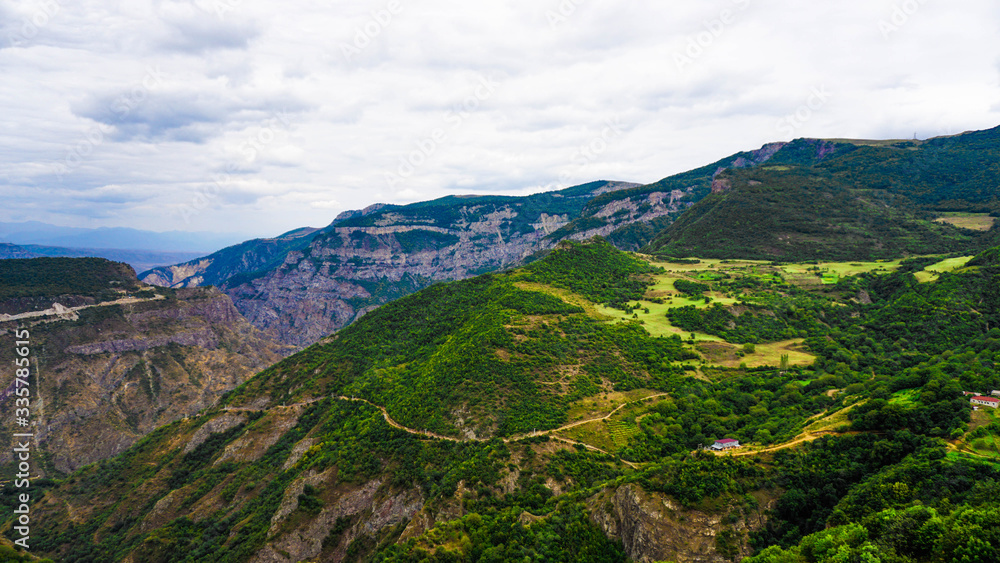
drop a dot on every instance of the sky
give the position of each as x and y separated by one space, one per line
260 117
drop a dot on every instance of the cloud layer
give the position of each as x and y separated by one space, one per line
259 117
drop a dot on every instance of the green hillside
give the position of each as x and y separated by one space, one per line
505 355
50 277
859 202
562 411
512 415
803 214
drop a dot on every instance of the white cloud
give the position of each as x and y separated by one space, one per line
261 119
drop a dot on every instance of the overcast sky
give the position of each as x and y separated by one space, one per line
259 117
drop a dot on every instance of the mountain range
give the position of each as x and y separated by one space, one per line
556 377
873 198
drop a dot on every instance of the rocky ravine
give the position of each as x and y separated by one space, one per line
366 258
653 527
108 375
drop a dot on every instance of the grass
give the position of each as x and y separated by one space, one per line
987 446
655 321
931 273
713 348
723 354
603 404
804 275
565 295
798 273
971 221
614 433
831 421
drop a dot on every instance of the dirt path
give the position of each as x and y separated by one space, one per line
605 417
515 438
60 311
594 449
800 439
395 424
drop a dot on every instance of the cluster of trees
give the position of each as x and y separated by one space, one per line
595 270
763 406
923 508
750 326
565 535
690 288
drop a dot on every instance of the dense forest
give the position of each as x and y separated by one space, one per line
92 277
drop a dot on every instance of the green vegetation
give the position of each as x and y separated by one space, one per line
804 214
691 288
853 202
594 270
49 277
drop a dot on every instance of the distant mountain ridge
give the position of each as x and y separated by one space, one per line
118 238
307 283
140 260
861 200
304 285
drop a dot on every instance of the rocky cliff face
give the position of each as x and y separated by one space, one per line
653 527
106 375
306 284
368 257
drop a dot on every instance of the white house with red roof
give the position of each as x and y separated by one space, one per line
725 444
992 402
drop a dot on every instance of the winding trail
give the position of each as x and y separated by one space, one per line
428 434
514 438
800 439
60 311
394 424
605 417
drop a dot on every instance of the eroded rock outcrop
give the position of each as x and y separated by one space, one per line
654 527
110 374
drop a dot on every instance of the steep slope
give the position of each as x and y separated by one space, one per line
544 430
250 256
112 359
417 423
864 200
301 290
302 286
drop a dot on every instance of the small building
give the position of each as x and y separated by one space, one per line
995 392
725 444
992 402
